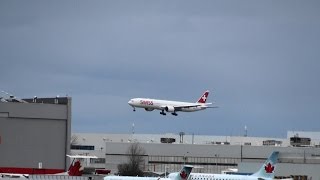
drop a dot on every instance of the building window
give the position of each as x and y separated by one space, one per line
167 140
272 143
98 161
300 141
82 147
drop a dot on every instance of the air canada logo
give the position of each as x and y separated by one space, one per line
269 168
183 175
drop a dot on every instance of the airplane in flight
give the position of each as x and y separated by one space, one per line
171 106
183 174
266 172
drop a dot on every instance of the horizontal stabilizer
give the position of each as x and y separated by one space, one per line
213 107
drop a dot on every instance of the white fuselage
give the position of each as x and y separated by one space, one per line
151 104
133 178
203 176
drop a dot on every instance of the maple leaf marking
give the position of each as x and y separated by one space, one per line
183 175
269 168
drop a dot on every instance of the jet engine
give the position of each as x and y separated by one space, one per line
149 109
169 108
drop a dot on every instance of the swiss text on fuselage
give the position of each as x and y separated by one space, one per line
146 102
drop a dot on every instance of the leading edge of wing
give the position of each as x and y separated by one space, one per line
189 106
196 105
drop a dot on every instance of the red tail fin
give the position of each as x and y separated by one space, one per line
74 169
204 97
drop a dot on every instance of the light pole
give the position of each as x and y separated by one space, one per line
185 158
165 171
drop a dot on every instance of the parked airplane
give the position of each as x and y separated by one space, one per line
11 98
171 106
15 176
75 169
266 172
183 174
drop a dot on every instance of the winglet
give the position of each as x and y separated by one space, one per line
267 170
204 97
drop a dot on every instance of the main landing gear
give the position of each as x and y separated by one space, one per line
163 113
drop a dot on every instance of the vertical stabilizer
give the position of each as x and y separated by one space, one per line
204 97
183 174
75 169
267 170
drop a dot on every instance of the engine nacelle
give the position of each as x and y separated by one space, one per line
149 109
169 108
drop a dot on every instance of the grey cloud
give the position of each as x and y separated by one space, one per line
259 59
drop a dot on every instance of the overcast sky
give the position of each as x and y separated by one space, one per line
259 59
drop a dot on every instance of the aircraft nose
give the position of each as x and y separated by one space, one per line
130 102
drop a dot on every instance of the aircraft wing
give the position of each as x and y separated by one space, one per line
178 108
188 106
196 105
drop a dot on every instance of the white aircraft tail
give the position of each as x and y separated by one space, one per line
204 97
267 170
183 174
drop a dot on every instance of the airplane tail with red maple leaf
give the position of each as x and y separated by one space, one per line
267 170
183 174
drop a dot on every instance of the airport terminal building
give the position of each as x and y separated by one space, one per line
210 154
35 136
